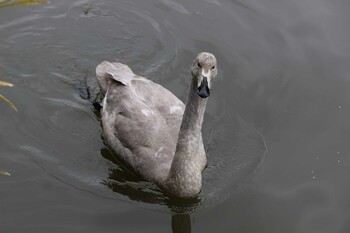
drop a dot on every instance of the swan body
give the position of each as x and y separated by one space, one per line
151 130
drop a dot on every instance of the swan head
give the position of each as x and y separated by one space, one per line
204 71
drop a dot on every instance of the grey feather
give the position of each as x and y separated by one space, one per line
145 126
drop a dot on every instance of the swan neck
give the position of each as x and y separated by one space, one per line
185 175
194 113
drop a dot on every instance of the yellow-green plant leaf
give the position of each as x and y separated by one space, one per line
9 3
6 84
5 173
8 102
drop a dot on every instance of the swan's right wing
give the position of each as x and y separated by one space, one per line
141 119
138 135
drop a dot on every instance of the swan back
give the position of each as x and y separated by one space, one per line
141 120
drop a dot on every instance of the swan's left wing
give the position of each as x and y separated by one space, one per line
107 71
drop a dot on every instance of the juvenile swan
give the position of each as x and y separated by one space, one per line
151 130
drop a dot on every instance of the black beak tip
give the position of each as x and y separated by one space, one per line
203 90
203 94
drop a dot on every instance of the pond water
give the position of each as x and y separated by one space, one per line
283 87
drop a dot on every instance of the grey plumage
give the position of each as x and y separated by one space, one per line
151 130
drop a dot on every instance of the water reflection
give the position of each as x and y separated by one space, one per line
181 223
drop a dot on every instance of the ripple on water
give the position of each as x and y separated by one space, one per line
63 136
127 33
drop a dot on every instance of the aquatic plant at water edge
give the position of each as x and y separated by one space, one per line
5 173
8 3
6 84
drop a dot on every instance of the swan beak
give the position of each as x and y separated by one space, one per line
203 89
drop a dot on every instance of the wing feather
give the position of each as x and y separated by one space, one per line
139 120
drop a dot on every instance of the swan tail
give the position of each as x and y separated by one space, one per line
107 71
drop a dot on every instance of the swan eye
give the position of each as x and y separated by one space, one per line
213 67
199 65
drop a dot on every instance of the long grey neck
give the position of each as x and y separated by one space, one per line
192 119
185 176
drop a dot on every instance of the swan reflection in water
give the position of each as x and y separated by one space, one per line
181 223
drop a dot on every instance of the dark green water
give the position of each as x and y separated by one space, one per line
283 83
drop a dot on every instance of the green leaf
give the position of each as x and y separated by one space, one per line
8 3
5 173
6 84
8 102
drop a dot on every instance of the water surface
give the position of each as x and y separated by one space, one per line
282 83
